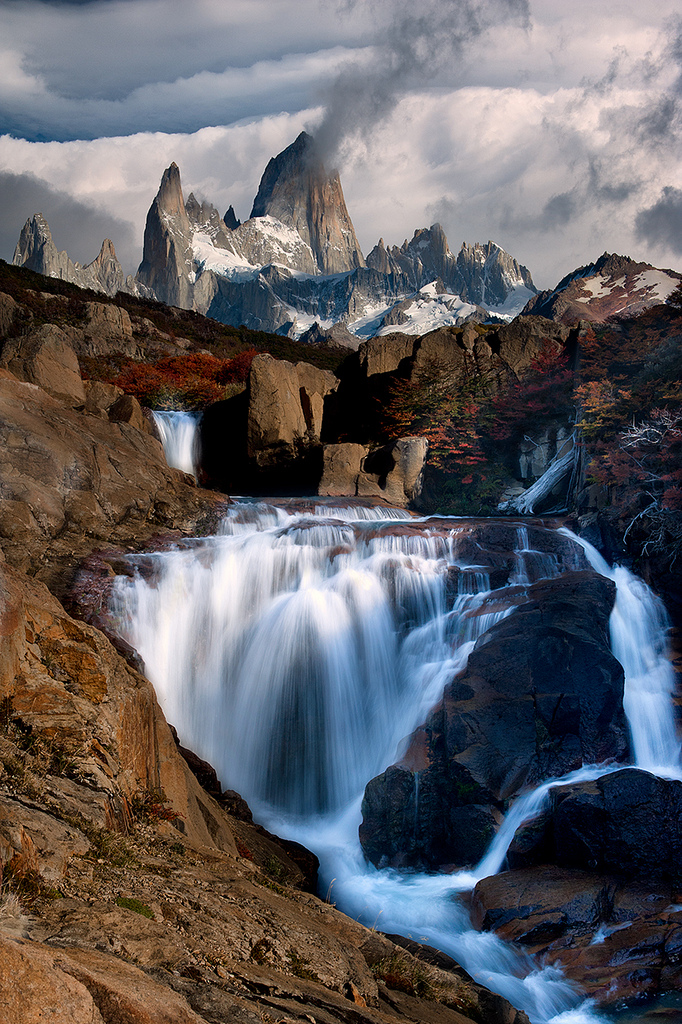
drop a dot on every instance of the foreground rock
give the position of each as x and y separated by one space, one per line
71 480
619 940
540 696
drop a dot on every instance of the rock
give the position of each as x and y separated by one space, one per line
341 469
441 350
314 385
72 481
521 341
8 310
394 472
31 840
298 191
46 358
107 329
544 690
33 988
275 415
617 940
617 824
384 355
127 409
99 397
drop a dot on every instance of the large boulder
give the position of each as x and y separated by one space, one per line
618 824
617 940
395 471
46 358
540 696
286 403
341 467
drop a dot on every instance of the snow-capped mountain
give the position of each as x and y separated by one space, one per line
296 262
612 286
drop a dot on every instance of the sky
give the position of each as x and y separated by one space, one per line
552 128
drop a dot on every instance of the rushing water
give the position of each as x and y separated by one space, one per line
295 652
179 437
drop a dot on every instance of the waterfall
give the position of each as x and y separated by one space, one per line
296 651
178 431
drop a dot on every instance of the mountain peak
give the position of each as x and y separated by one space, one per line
297 190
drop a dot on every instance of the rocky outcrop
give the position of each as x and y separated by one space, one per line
393 473
616 825
46 358
544 690
70 480
618 940
37 251
612 286
297 190
167 268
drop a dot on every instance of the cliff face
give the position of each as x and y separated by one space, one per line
37 251
298 191
167 260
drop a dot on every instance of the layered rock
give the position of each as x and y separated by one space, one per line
544 690
37 251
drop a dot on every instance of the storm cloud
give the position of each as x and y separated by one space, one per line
661 223
75 226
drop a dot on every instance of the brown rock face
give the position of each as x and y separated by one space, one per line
70 481
46 358
297 190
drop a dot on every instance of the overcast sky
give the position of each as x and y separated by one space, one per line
552 128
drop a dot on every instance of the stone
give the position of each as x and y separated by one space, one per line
395 471
127 409
99 397
341 467
33 988
385 354
544 690
618 824
275 415
522 341
314 386
8 310
46 358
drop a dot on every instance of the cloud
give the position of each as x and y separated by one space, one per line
661 223
416 44
75 226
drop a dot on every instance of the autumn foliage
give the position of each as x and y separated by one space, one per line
191 381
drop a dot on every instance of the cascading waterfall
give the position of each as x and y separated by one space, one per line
178 431
295 652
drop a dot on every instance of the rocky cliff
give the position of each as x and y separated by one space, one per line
297 190
37 251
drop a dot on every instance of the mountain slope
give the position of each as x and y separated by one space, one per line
612 286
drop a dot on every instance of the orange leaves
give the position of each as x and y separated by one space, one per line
191 381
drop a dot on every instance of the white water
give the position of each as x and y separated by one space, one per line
178 431
295 653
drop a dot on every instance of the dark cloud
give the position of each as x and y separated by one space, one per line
76 227
661 224
415 44
558 211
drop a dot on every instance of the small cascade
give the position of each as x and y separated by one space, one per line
296 651
180 439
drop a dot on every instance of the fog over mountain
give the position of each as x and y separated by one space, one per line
554 130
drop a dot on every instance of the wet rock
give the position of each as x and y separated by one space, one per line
619 941
618 824
540 696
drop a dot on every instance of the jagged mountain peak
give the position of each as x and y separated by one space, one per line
297 190
230 219
36 251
